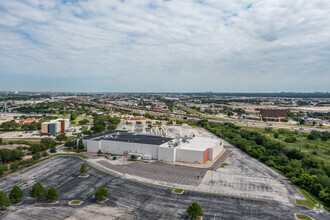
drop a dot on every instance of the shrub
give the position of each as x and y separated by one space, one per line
194 210
14 166
290 139
314 135
101 193
52 193
83 168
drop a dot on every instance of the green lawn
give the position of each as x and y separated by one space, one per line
311 201
304 217
76 202
179 191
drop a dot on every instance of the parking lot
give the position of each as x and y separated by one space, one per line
159 171
127 199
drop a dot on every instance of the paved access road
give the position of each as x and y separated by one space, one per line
127 199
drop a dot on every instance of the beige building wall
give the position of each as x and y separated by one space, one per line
44 128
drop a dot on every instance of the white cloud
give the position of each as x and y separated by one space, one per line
170 43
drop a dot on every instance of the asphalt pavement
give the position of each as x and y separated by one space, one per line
129 199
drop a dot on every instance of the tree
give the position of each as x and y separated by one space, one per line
101 193
3 169
83 168
230 113
14 166
314 135
73 116
16 194
48 142
38 191
112 127
71 143
61 137
52 149
194 210
4 200
0 141
81 145
36 156
84 121
52 193
325 136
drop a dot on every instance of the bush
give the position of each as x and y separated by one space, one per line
36 156
3 169
45 154
101 193
194 210
276 135
22 163
325 136
52 193
290 139
83 168
14 166
314 135
52 149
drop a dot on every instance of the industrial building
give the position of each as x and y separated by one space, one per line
196 150
54 127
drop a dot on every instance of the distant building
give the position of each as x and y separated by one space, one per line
29 120
273 114
55 127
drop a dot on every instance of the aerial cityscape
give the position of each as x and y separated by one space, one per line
161 109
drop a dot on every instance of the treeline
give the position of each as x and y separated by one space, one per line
7 155
21 97
104 122
13 126
63 108
302 169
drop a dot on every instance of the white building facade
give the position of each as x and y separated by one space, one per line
196 150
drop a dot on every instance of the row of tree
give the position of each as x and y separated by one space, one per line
302 169
37 192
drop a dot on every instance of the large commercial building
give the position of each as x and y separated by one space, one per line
195 150
54 127
272 114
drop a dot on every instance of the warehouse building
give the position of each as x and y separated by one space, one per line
195 150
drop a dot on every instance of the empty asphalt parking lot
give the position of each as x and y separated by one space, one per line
127 199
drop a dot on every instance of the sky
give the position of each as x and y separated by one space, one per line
165 46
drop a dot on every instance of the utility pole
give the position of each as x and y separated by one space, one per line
267 119
247 123
301 136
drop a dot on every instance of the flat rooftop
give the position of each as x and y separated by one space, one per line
124 136
199 143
